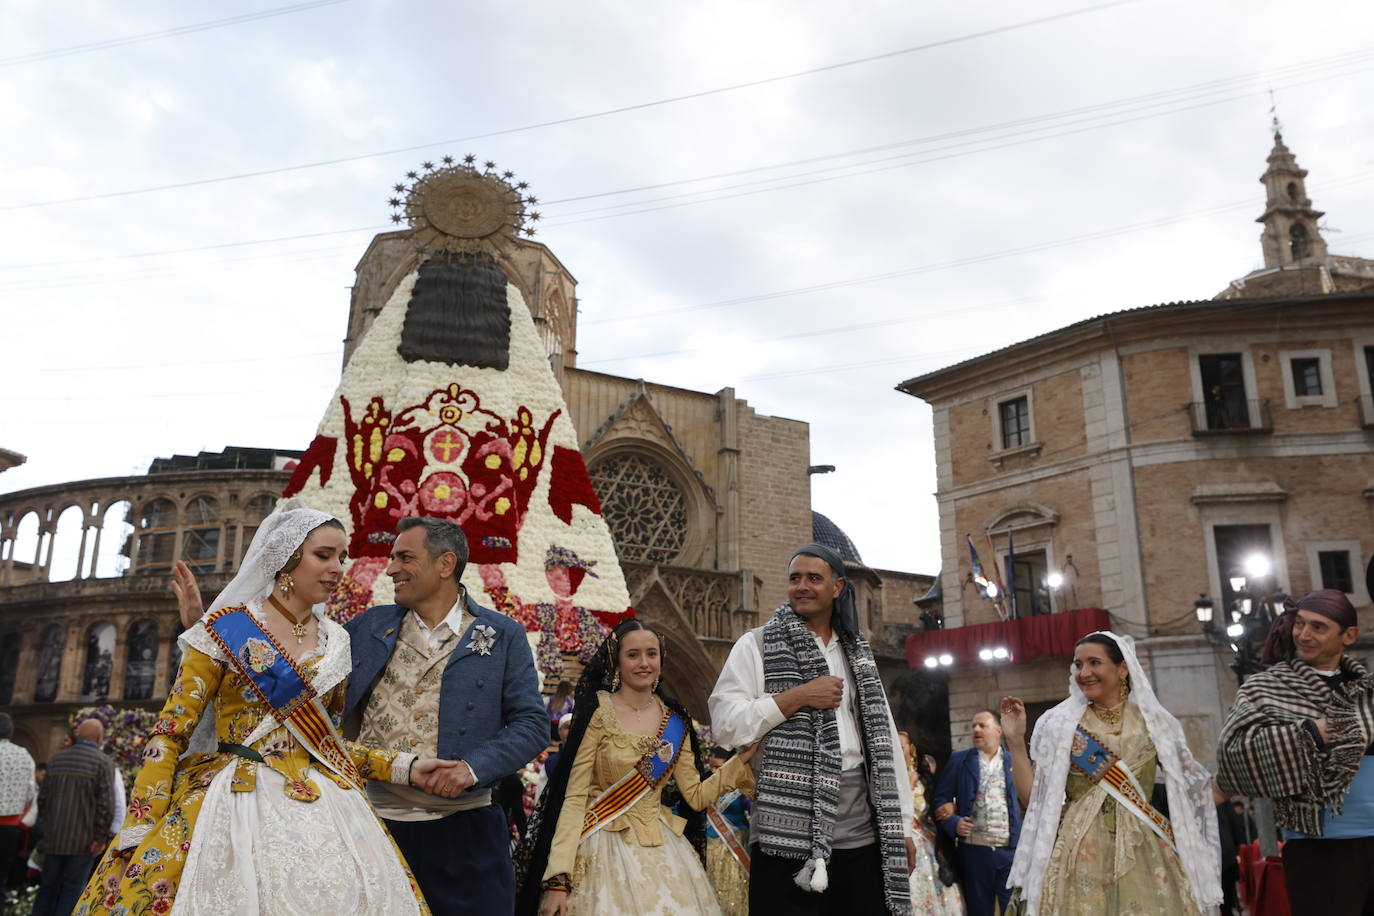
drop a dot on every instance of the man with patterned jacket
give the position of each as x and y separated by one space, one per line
436 673
1300 733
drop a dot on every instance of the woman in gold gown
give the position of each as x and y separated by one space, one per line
1091 842
594 852
268 820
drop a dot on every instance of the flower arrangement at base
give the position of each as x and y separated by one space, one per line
126 731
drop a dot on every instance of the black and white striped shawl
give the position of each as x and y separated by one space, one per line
799 778
1266 751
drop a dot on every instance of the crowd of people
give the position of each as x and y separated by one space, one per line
300 766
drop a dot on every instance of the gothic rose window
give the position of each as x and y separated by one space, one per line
643 507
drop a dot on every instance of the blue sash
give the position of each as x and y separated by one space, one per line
277 681
647 773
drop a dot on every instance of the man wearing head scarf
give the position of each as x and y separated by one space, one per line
831 828
1300 733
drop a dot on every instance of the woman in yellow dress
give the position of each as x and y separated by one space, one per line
602 843
270 819
1091 842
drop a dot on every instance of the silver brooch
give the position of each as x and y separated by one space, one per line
483 637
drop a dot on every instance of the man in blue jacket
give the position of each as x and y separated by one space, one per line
436 674
980 806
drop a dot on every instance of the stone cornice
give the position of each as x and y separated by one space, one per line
1056 350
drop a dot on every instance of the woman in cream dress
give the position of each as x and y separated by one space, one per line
1083 851
639 863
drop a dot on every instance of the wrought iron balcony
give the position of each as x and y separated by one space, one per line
1211 418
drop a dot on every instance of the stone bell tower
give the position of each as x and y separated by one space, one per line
1290 235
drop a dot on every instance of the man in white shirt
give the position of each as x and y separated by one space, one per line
831 829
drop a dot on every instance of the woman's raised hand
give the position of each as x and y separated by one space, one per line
746 754
189 604
1013 718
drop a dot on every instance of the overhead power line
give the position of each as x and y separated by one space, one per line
163 33
1263 78
957 262
194 248
906 160
705 93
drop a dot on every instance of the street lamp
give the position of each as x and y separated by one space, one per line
1251 614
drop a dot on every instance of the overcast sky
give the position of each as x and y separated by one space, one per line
999 178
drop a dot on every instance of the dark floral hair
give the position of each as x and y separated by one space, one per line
533 855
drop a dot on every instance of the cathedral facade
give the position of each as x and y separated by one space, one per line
705 499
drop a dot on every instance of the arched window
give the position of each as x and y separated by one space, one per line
1293 191
116 533
1299 241
200 544
643 506
9 664
27 547
140 665
157 525
254 511
66 545
95 678
49 664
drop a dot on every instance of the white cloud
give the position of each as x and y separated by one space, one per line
355 78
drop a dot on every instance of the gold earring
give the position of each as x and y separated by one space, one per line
285 584
657 678
615 681
1125 689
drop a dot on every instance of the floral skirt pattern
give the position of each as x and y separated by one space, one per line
258 852
615 876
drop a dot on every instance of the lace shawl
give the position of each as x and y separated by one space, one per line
1191 809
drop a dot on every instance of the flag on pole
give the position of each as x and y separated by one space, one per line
1003 608
1011 575
991 589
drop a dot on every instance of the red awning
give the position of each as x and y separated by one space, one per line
1026 639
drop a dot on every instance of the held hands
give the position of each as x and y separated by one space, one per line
943 812
555 903
441 777
1013 719
746 754
964 828
189 604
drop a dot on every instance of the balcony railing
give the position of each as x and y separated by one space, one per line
1366 411
1211 418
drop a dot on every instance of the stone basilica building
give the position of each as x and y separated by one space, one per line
705 499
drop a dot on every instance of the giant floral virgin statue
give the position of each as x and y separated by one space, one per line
448 407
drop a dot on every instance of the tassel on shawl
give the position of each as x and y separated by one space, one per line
813 876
